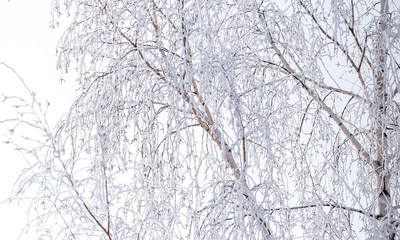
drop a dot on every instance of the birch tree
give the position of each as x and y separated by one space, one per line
220 120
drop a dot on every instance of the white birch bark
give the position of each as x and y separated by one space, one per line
381 172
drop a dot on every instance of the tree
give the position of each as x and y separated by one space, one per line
222 119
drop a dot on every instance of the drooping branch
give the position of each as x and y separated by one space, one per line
207 123
338 44
315 96
204 117
350 26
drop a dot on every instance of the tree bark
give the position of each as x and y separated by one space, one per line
382 173
382 176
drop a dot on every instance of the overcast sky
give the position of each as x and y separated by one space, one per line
29 46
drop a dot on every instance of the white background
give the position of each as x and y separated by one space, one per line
28 44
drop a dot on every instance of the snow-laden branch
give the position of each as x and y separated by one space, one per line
315 96
331 205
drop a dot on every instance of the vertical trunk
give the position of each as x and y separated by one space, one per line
381 172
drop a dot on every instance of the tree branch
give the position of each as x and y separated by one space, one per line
333 205
93 216
315 96
340 46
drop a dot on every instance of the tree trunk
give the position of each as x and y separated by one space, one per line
381 172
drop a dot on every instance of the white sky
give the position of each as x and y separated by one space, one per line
29 46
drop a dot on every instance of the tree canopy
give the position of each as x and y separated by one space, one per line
221 119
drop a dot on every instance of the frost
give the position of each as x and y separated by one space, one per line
220 120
